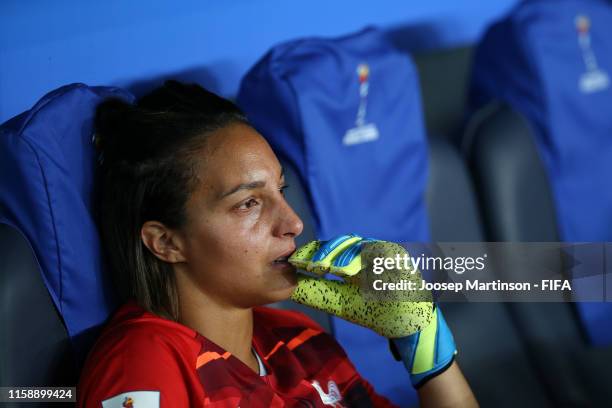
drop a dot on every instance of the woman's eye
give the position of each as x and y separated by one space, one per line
251 202
282 189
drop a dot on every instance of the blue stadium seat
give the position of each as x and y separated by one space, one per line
54 294
552 62
313 101
541 153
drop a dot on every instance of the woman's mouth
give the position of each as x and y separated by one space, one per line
283 260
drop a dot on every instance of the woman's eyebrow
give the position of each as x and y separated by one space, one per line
244 186
249 186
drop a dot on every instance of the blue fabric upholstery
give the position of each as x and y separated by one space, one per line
552 62
47 163
346 113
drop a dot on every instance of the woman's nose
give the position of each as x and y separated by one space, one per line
290 223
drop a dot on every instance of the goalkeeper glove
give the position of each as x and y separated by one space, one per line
418 332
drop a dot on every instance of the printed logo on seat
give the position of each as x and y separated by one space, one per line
362 132
594 79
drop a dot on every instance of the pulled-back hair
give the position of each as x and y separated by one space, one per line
148 173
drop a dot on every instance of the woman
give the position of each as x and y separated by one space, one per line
198 233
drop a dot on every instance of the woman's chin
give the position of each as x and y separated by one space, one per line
283 288
287 274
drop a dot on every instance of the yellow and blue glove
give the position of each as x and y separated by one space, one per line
418 332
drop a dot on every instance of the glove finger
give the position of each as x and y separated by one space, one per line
326 295
339 256
323 259
303 255
348 263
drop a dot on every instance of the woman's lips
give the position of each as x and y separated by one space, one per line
283 265
281 259
284 257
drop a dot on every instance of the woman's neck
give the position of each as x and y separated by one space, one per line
227 326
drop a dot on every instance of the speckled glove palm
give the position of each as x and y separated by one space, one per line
418 332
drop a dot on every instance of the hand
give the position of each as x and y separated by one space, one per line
412 324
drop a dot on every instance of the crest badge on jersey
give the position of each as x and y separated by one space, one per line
332 397
133 399
594 79
362 132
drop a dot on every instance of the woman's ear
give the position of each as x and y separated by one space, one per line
163 242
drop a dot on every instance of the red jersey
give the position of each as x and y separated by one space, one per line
143 361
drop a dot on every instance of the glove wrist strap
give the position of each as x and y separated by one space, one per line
427 353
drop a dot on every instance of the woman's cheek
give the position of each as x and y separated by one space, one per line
253 219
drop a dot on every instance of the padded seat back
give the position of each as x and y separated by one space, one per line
47 170
551 61
346 114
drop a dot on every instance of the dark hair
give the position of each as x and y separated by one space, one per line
148 173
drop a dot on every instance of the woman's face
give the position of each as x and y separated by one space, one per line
240 229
